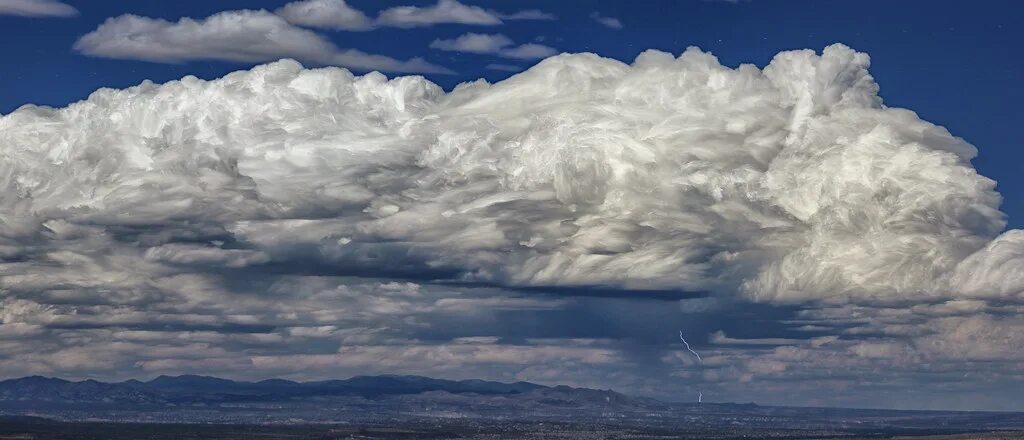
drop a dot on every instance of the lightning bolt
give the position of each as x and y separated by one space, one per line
700 395
688 347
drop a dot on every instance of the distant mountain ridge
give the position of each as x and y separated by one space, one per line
420 401
200 389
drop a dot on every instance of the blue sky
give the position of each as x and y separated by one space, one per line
249 229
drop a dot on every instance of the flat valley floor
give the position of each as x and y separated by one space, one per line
31 428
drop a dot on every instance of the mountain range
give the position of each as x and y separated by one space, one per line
200 389
391 400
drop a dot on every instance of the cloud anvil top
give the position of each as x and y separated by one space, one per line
229 219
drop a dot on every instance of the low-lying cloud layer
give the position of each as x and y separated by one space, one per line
153 209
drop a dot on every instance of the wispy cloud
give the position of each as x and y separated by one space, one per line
496 44
473 43
37 8
503 67
445 11
529 14
608 22
259 35
338 15
241 36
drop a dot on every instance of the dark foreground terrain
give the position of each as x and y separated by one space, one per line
410 407
25 428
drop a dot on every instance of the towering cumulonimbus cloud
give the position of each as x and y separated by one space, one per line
789 183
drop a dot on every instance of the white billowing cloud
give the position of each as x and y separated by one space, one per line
243 224
37 8
242 36
790 183
493 44
997 270
327 14
608 22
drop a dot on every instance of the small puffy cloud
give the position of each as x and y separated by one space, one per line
241 36
496 44
327 14
608 22
528 51
37 8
